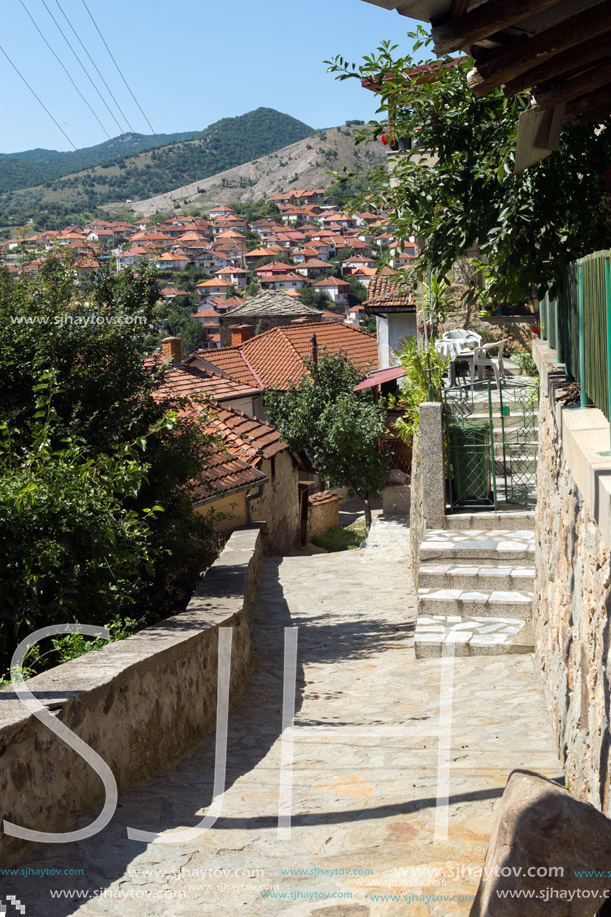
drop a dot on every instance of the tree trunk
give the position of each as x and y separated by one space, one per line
367 506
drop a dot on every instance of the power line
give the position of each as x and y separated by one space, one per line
82 66
171 204
153 131
41 103
65 69
123 115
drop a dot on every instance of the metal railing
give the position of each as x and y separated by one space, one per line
578 326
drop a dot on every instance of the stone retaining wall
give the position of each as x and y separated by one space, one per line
140 703
573 584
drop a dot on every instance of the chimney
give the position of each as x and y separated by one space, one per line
240 334
314 350
171 349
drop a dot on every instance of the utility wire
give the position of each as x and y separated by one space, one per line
82 66
42 104
65 69
163 194
123 115
153 131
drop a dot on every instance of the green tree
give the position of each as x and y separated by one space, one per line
358 292
316 298
97 468
457 189
338 428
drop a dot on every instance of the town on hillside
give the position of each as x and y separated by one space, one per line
209 265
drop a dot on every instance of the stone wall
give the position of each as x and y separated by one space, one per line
323 512
416 517
278 504
140 703
573 585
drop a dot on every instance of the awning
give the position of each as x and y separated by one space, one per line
380 376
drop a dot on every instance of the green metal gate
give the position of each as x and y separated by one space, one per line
491 443
519 402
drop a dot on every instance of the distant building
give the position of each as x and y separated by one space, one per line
266 310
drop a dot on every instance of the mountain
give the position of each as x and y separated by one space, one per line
222 145
33 167
306 164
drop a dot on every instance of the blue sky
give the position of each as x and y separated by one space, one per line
188 64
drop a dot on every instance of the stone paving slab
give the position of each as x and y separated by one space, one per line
472 635
469 602
364 790
483 577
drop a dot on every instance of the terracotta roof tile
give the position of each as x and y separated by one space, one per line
278 357
387 295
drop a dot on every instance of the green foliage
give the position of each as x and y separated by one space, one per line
251 211
316 298
96 518
357 294
525 226
337 427
527 365
342 538
424 382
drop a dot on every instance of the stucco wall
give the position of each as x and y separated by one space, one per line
141 703
573 586
234 509
278 506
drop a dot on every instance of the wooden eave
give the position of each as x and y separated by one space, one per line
558 49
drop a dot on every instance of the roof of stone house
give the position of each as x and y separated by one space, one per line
224 473
274 303
249 438
387 295
278 357
185 380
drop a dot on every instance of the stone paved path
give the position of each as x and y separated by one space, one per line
363 822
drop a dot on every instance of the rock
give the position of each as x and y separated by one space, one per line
540 827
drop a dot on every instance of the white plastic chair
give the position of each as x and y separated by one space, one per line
480 360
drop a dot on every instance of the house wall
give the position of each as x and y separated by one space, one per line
573 583
390 330
141 703
234 507
278 505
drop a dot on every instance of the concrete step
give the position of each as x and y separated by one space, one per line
495 545
475 636
470 602
519 520
476 578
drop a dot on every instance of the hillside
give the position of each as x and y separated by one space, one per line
34 167
221 146
306 164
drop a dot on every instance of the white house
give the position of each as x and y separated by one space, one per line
396 317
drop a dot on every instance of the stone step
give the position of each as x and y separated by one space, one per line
496 545
476 577
519 520
470 602
475 636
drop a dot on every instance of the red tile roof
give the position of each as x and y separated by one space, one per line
387 295
183 380
278 357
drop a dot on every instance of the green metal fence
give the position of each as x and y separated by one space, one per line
578 326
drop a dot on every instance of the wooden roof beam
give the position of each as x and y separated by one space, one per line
505 65
569 62
483 22
572 89
592 102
